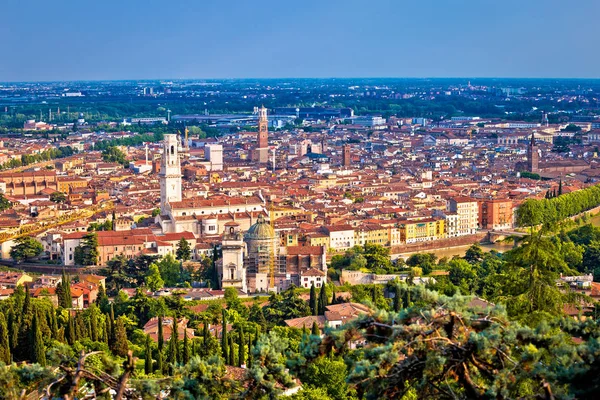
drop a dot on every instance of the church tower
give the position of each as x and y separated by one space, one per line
170 172
533 157
262 149
232 271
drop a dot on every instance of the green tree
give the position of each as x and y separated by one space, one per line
38 350
170 270
4 341
241 349
25 247
312 302
147 356
323 301
315 329
113 154
186 348
183 252
328 373
224 340
120 347
58 197
4 203
88 250
154 281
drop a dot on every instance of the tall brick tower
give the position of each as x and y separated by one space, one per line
346 160
533 158
261 153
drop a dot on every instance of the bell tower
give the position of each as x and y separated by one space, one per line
170 172
533 157
262 148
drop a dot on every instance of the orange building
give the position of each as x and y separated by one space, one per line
496 214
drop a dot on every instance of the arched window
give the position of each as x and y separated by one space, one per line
172 149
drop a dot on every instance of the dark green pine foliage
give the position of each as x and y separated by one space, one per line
4 341
224 341
148 357
186 348
333 297
38 350
322 301
161 339
241 349
120 347
312 302
315 329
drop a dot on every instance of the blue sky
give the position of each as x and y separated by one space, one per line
148 39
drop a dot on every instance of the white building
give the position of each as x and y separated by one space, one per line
468 214
341 237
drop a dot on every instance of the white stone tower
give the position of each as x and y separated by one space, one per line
170 172
232 270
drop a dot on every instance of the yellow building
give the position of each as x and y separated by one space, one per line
68 182
317 239
372 234
278 212
422 230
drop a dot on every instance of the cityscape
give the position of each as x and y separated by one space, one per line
324 237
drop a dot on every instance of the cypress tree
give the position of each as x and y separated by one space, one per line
159 362
13 330
186 348
66 287
107 330
249 360
172 350
148 357
38 350
54 325
70 331
205 332
397 299
374 295
4 341
241 349
322 301
231 352
93 327
312 301
27 302
224 341
315 329
161 339
175 337
560 189
120 345
333 298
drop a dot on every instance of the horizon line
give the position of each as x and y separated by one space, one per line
298 78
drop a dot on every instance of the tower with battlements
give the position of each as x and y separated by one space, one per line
533 157
261 153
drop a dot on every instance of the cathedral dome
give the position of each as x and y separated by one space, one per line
261 230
